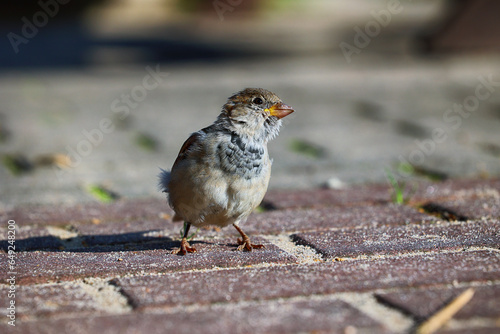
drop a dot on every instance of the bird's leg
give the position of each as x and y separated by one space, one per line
185 247
244 242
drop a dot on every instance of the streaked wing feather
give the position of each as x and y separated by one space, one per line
186 146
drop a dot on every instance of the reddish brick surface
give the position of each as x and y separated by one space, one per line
375 194
454 188
149 229
336 217
356 195
272 317
133 231
273 222
411 259
323 278
423 303
64 214
402 239
473 206
126 226
41 267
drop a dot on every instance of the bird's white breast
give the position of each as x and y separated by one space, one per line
220 184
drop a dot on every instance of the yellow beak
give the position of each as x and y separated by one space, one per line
280 110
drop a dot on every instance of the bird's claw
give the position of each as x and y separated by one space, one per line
184 249
245 244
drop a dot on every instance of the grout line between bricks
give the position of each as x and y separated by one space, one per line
61 232
70 238
417 253
201 270
496 250
304 254
107 296
392 318
308 260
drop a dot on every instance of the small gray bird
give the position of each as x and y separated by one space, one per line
222 171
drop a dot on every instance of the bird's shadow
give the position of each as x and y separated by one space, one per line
132 241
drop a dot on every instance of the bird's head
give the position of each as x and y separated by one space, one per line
255 113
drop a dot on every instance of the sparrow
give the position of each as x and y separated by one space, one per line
222 171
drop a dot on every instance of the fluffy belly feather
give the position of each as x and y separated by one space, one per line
213 198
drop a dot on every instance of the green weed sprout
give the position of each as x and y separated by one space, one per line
398 189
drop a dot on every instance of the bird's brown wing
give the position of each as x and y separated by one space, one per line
186 146
182 155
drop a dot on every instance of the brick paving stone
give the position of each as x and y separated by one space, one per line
323 278
280 221
148 230
31 238
98 227
55 299
127 209
133 237
131 231
123 209
41 267
473 206
135 230
330 316
355 195
108 232
374 194
336 217
452 188
122 238
385 240
423 303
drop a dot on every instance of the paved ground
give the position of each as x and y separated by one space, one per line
340 261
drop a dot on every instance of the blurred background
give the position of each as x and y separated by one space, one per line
95 96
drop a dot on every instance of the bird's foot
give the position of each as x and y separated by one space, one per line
184 249
245 244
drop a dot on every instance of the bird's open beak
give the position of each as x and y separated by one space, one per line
280 110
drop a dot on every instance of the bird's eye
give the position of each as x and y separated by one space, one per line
258 100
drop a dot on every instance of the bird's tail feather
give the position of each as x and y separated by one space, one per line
163 180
